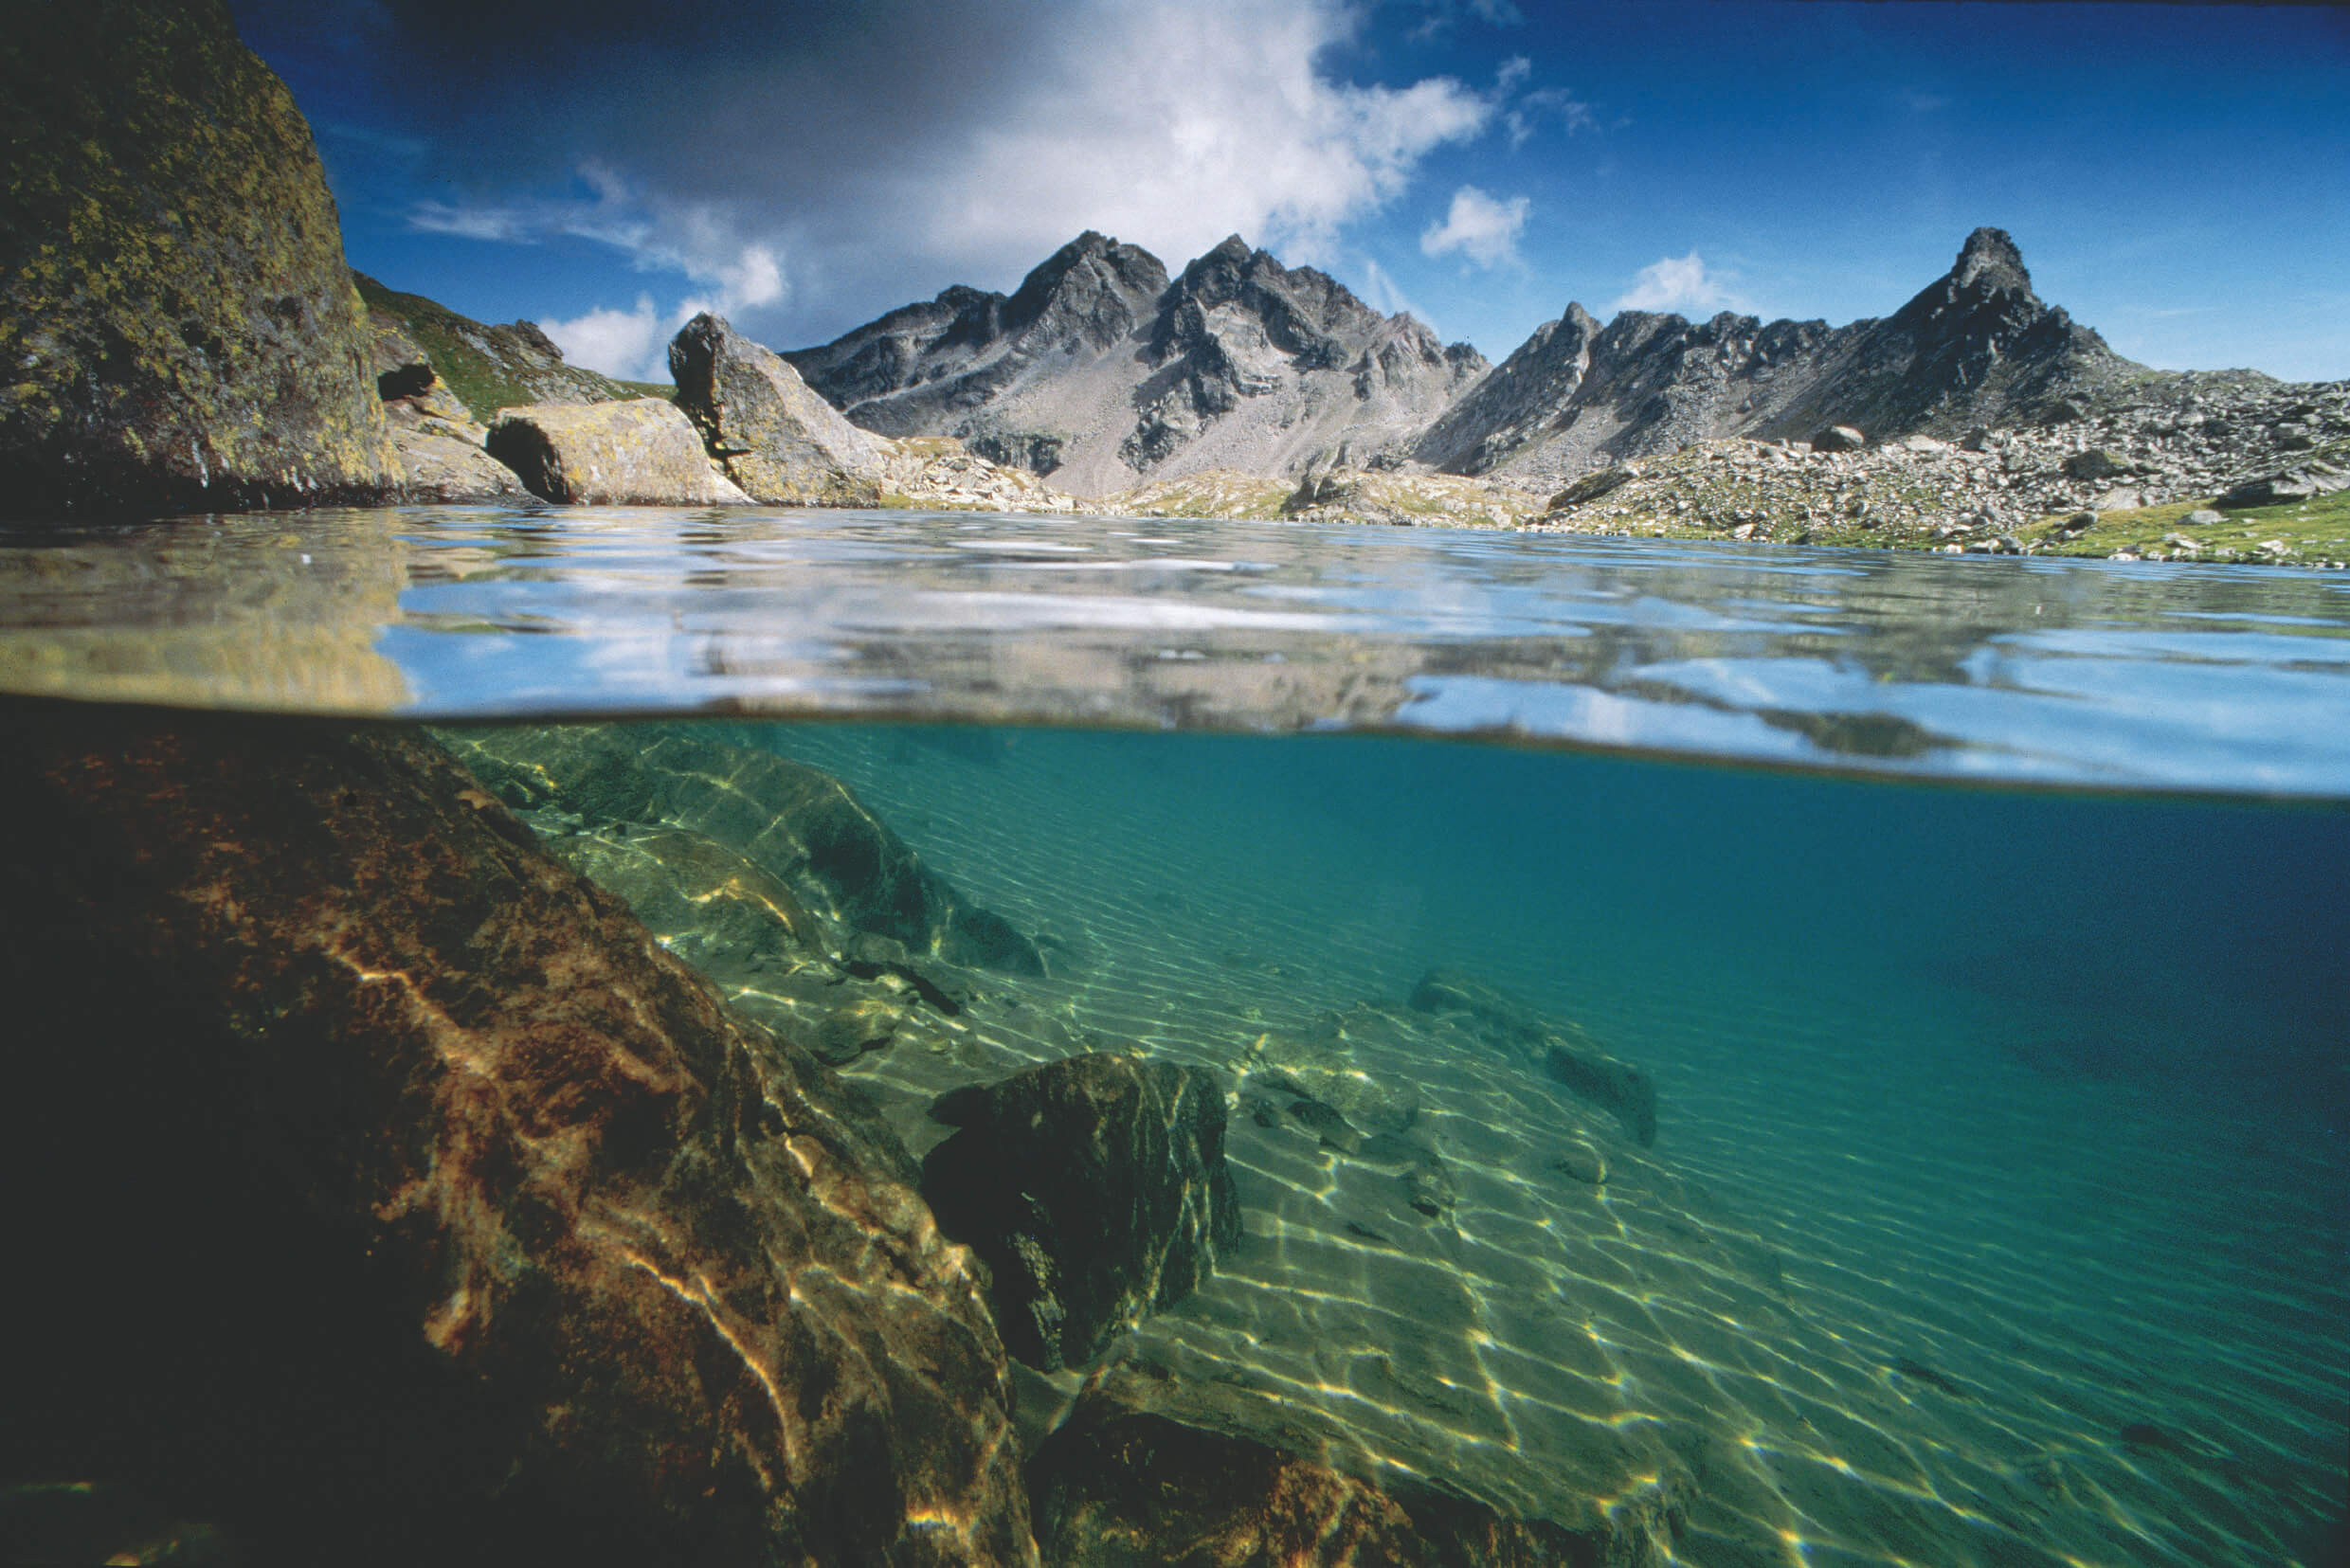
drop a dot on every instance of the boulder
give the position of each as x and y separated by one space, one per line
442 469
2096 463
1119 1472
178 325
1838 438
638 452
1291 1067
794 822
1094 1189
2304 483
780 442
1561 1048
481 1230
1594 485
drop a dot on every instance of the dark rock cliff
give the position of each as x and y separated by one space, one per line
177 322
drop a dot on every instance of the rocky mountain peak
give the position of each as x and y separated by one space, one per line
1989 262
1093 289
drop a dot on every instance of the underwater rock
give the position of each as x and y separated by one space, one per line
638 453
1321 1068
478 1229
1094 1189
1562 1050
1581 1162
796 822
1333 1129
783 445
179 326
1121 1482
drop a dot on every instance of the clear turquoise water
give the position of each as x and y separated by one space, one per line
2045 1091
1982 922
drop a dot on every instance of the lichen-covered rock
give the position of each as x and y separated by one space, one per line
1121 1482
441 468
638 452
776 439
179 331
1094 1188
478 1229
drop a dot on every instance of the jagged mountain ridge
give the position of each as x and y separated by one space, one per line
1101 370
1978 347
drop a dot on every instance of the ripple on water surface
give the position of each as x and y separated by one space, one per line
2118 675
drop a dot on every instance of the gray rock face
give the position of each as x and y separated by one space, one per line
175 315
777 440
1099 370
610 454
1977 348
442 470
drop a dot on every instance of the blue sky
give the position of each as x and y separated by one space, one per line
2177 176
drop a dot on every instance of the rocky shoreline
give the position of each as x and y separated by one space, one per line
205 348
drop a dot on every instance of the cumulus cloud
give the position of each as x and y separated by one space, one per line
632 344
817 163
1682 283
1382 294
1479 228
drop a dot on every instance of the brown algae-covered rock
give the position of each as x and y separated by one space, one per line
178 326
482 1231
774 436
1122 1482
638 452
1094 1188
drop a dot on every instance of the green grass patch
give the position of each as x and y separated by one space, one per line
2315 530
483 383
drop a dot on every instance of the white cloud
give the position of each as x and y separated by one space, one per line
1381 292
632 344
1682 283
1483 230
1524 114
809 201
1172 127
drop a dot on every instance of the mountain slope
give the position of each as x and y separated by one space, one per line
1977 347
1100 370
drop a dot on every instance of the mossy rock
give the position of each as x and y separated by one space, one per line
177 325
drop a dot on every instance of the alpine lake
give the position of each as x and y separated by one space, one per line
1983 926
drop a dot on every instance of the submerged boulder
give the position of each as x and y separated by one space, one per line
796 822
179 328
479 1230
1096 1190
1120 1471
638 453
778 441
1561 1048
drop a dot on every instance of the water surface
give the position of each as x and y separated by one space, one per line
2128 675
